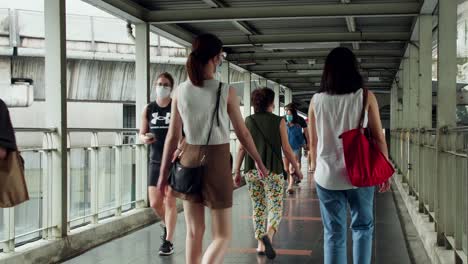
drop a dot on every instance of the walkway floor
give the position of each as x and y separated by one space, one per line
299 239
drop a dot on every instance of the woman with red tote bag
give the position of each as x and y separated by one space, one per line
336 109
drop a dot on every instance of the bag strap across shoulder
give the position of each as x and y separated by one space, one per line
364 104
215 113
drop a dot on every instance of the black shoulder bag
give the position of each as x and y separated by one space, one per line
189 180
277 155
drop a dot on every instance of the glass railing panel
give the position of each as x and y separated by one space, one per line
28 215
80 187
128 177
106 181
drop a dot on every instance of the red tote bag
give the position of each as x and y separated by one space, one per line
365 163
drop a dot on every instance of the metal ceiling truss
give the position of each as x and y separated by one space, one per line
250 47
281 12
310 54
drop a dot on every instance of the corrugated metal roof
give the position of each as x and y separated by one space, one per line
388 50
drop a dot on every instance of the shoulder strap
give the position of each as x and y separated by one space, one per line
278 156
215 113
364 104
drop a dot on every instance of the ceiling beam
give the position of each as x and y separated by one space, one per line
174 33
242 26
317 37
126 10
282 12
318 73
296 67
310 54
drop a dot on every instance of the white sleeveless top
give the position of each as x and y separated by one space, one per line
196 106
334 115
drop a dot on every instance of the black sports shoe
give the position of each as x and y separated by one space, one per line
166 249
164 232
269 250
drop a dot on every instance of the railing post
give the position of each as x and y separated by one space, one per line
142 81
9 229
94 175
56 95
446 114
118 173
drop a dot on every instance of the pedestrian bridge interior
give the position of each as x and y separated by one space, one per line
413 55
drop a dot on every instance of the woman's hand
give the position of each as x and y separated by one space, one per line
147 140
3 153
262 170
384 187
161 189
177 154
237 179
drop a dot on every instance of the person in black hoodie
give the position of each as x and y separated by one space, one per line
7 135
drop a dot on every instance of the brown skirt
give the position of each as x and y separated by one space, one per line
217 185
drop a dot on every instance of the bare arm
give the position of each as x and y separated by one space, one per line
144 128
312 133
239 159
305 130
172 140
288 152
375 125
241 130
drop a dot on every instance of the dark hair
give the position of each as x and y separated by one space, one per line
167 76
261 99
204 48
341 74
293 108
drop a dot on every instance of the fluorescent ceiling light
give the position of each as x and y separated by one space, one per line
324 45
308 72
374 79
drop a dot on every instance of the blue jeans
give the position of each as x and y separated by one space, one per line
333 207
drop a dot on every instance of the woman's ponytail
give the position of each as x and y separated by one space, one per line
195 69
204 48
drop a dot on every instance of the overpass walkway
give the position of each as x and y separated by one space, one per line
300 237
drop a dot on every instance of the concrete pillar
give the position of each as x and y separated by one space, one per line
276 89
446 115
56 101
142 84
287 96
225 72
425 71
425 100
413 148
247 93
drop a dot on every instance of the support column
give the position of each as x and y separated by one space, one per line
225 72
247 92
287 96
276 89
446 115
425 101
142 84
413 154
56 101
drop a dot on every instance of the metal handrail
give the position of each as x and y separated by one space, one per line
83 129
36 129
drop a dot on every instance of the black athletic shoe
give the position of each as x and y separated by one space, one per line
269 250
166 249
164 232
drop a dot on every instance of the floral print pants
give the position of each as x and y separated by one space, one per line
266 194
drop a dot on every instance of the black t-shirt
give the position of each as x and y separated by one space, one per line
159 119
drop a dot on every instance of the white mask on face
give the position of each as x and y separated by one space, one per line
163 91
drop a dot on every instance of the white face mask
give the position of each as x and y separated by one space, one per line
163 91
